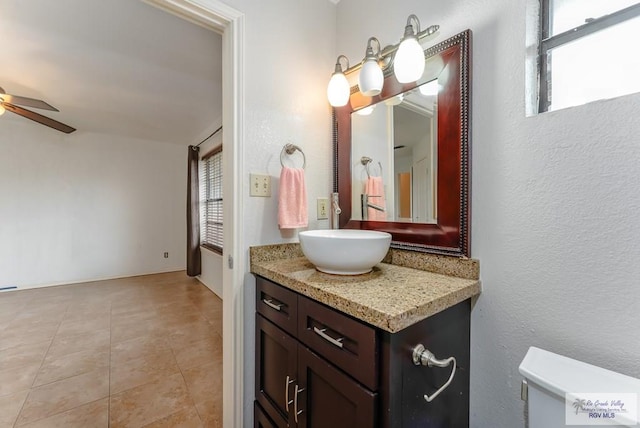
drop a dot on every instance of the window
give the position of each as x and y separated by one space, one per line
211 201
587 51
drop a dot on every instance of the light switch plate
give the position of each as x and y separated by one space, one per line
323 204
260 185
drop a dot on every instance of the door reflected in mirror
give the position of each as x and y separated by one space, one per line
394 155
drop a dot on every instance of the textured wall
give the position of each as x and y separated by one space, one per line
554 206
81 207
289 55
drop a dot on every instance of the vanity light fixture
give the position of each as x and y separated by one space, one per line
2 110
338 90
371 78
430 89
366 111
407 59
408 64
394 101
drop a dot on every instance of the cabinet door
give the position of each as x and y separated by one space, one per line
260 419
329 398
276 367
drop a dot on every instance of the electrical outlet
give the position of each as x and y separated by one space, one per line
323 204
260 185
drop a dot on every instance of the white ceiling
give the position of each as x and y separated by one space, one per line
118 67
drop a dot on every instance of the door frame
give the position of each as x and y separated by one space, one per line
225 20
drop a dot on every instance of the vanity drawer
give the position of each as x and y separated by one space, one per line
277 304
347 343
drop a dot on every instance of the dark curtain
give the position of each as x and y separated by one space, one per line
194 266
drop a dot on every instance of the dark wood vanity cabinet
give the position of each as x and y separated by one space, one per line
317 367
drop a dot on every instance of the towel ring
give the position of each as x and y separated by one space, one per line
366 161
290 149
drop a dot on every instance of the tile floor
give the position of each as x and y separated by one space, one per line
134 352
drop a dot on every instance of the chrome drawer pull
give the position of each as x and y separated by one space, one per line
270 303
296 412
286 392
325 336
422 356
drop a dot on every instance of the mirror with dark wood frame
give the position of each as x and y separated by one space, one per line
448 232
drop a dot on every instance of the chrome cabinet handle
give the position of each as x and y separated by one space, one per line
296 412
422 356
286 392
325 336
270 303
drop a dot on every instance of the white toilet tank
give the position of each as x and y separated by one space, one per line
550 376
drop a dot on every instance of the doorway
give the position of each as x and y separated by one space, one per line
229 22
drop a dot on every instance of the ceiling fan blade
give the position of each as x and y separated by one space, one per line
28 102
39 118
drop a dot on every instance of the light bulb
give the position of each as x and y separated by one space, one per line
408 64
394 101
366 111
338 90
430 88
371 78
2 110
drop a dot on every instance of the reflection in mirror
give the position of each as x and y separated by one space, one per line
398 140
421 191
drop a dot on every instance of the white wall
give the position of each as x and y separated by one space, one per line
289 55
372 138
554 202
84 206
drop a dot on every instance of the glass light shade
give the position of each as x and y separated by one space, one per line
408 64
366 111
338 90
430 89
2 110
394 101
370 79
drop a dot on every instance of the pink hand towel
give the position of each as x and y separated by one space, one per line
292 201
375 187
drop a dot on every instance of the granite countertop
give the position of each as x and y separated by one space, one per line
391 297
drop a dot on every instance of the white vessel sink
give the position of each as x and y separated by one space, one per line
344 251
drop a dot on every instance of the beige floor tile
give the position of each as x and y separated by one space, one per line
73 327
97 340
137 329
21 355
27 333
210 412
151 367
145 404
91 415
187 418
201 352
63 366
10 406
85 311
184 334
17 379
46 313
132 330
63 395
138 347
204 382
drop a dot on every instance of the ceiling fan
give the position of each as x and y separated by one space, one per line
12 103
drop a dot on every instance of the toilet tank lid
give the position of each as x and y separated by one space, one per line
561 375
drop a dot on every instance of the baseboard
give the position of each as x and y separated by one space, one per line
213 290
56 284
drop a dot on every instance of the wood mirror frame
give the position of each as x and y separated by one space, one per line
450 235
